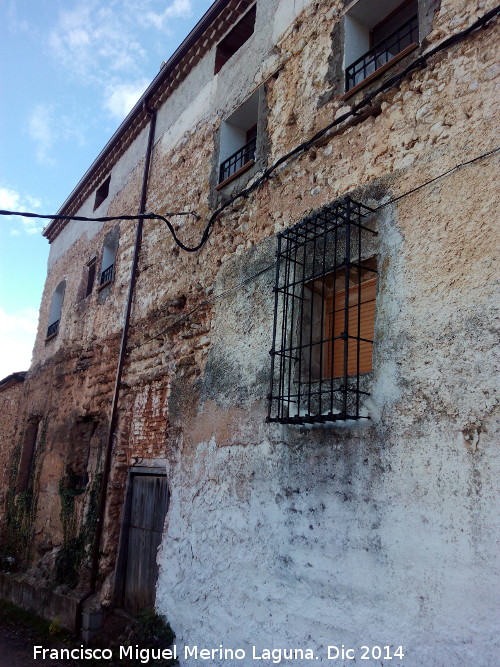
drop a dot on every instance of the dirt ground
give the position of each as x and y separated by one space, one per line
16 646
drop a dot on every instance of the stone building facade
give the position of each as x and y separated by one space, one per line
143 425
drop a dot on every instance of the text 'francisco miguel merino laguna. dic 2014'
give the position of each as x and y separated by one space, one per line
271 655
146 655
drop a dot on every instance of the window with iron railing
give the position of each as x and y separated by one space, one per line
237 160
53 329
56 310
107 275
324 317
382 53
108 262
373 40
238 140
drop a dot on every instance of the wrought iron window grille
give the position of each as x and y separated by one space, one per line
324 316
237 160
382 52
53 329
107 275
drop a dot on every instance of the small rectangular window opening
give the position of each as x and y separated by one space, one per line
324 317
102 193
91 266
235 39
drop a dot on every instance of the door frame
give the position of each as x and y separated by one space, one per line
121 562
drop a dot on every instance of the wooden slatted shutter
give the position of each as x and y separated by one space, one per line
335 320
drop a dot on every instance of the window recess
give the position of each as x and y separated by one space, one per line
324 317
238 141
102 192
235 39
373 39
108 263
56 310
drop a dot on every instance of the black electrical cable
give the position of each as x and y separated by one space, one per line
418 63
156 216
182 318
437 178
107 218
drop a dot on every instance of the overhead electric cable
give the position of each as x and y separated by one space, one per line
418 63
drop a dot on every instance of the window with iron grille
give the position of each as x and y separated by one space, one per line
326 278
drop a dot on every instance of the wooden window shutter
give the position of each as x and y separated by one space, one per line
335 320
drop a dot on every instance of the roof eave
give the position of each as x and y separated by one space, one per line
139 110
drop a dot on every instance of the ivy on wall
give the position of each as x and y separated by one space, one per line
73 552
21 508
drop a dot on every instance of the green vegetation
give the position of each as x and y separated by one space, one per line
152 630
21 508
73 552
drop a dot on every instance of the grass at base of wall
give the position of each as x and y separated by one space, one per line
148 630
10 615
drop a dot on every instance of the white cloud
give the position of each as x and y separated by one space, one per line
17 337
14 23
40 128
11 200
178 9
47 125
107 44
121 97
91 40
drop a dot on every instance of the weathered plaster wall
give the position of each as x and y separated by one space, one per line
379 533
375 534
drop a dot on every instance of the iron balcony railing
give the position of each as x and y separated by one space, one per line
107 275
237 160
381 53
53 329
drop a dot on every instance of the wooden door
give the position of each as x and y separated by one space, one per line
148 506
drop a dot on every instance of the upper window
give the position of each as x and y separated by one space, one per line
102 193
235 39
375 34
238 140
108 262
56 309
324 317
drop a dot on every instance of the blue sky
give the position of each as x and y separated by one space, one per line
70 71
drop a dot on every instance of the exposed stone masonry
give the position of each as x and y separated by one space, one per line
377 532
